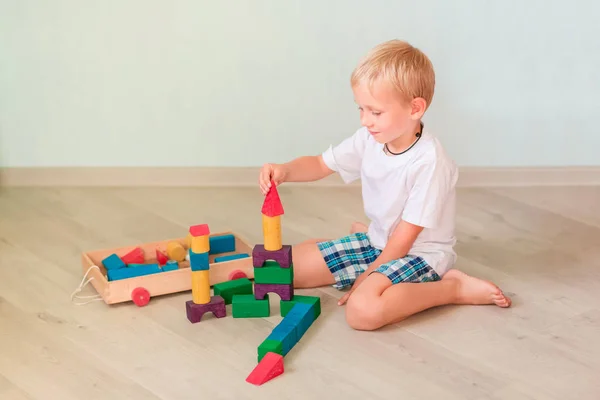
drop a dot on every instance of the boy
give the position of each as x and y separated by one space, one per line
402 262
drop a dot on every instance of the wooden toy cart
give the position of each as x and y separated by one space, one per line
140 289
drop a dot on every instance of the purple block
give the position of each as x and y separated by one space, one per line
196 311
283 256
284 290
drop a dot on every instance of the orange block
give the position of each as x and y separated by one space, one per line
272 232
201 287
175 251
200 244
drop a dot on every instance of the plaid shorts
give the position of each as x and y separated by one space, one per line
351 255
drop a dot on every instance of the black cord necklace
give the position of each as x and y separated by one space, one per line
418 135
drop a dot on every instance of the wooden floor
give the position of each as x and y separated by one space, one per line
541 245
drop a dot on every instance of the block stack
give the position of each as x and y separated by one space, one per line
202 301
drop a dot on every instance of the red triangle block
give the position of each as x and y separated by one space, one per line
199 230
268 368
272 206
161 257
135 256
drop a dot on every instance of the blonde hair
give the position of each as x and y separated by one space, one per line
407 69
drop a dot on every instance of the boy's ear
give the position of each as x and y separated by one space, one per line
418 106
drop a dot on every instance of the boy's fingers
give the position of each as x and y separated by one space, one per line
343 299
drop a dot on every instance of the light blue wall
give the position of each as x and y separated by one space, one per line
240 83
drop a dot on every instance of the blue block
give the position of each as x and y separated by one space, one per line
285 333
113 262
232 257
199 261
131 272
302 315
171 265
222 244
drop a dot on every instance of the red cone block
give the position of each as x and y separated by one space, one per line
272 206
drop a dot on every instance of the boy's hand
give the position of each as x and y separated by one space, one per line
271 173
357 282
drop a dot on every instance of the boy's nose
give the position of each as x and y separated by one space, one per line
366 122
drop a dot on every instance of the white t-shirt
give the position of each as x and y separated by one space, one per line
417 186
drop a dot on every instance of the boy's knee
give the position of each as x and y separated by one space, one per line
364 313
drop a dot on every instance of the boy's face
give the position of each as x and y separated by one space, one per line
384 114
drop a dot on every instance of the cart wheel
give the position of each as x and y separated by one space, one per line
237 274
140 296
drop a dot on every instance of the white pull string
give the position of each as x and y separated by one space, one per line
83 284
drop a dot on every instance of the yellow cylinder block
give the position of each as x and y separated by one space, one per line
200 244
188 241
272 232
175 251
201 287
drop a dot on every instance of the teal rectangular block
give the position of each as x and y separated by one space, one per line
171 265
133 271
199 261
222 244
302 316
231 257
285 332
113 262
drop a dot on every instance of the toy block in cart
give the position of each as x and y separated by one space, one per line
136 273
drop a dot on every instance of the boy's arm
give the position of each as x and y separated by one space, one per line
301 169
398 245
307 169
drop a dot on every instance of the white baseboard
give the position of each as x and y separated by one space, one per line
248 176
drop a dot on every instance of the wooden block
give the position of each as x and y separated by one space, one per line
199 230
271 272
272 206
161 257
222 244
175 251
231 257
272 232
285 332
246 306
301 315
283 256
200 244
286 306
194 311
269 345
113 262
200 287
285 291
135 256
230 288
199 261
171 265
268 368
132 272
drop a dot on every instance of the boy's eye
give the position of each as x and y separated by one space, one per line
376 113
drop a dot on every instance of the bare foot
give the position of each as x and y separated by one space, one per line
473 290
358 227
